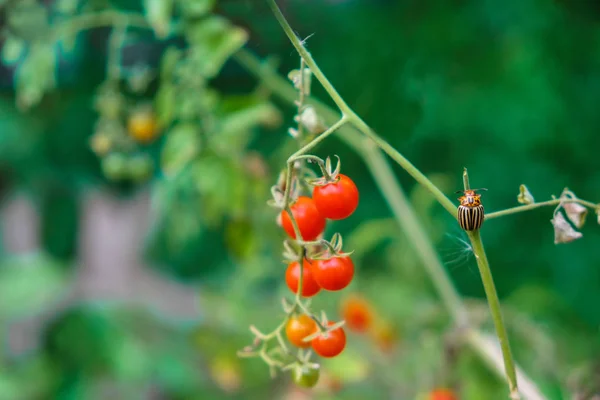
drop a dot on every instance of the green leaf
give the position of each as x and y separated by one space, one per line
213 41
66 6
233 134
159 13
369 235
168 62
165 103
36 75
181 146
30 284
12 50
196 8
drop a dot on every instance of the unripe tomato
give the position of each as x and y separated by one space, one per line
336 200
330 344
298 328
292 278
442 394
100 143
305 376
310 222
140 167
358 313
114 166
142 126
334 273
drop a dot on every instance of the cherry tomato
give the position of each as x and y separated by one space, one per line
442 394
298 328
334 273
142 126
358 313
305 376
330 344
310 222
336 200
292 278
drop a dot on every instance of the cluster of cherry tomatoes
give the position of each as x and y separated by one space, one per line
122 132
334 200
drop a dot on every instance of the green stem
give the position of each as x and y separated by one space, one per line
305 55
533 206
101 19
404 163
494 304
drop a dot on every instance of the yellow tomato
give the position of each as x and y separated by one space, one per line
143 127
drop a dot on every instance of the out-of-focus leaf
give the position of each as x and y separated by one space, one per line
66 6
241 238
181 146
213 40
370 234
12 50
196 8
223 186
234 131
30 284
36 75
159 14
168 62
165 102
28 20
349 366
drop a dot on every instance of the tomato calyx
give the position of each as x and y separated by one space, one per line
330 174
331 249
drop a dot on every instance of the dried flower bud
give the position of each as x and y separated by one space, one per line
301 82
525 197
311 120
563 231
576 213
598 214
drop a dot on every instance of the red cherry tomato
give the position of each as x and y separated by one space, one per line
442 394
298 328
310 221
334 273
292 278
330 344
358 313
336 200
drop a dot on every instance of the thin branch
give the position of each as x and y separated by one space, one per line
494 303
528 207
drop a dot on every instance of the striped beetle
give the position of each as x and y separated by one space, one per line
470 210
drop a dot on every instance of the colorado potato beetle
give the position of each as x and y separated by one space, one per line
470 210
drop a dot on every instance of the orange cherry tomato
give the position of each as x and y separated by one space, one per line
297 328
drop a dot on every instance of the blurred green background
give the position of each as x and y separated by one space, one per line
132 267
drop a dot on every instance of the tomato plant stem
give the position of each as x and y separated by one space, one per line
528 207
493 302
496 311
